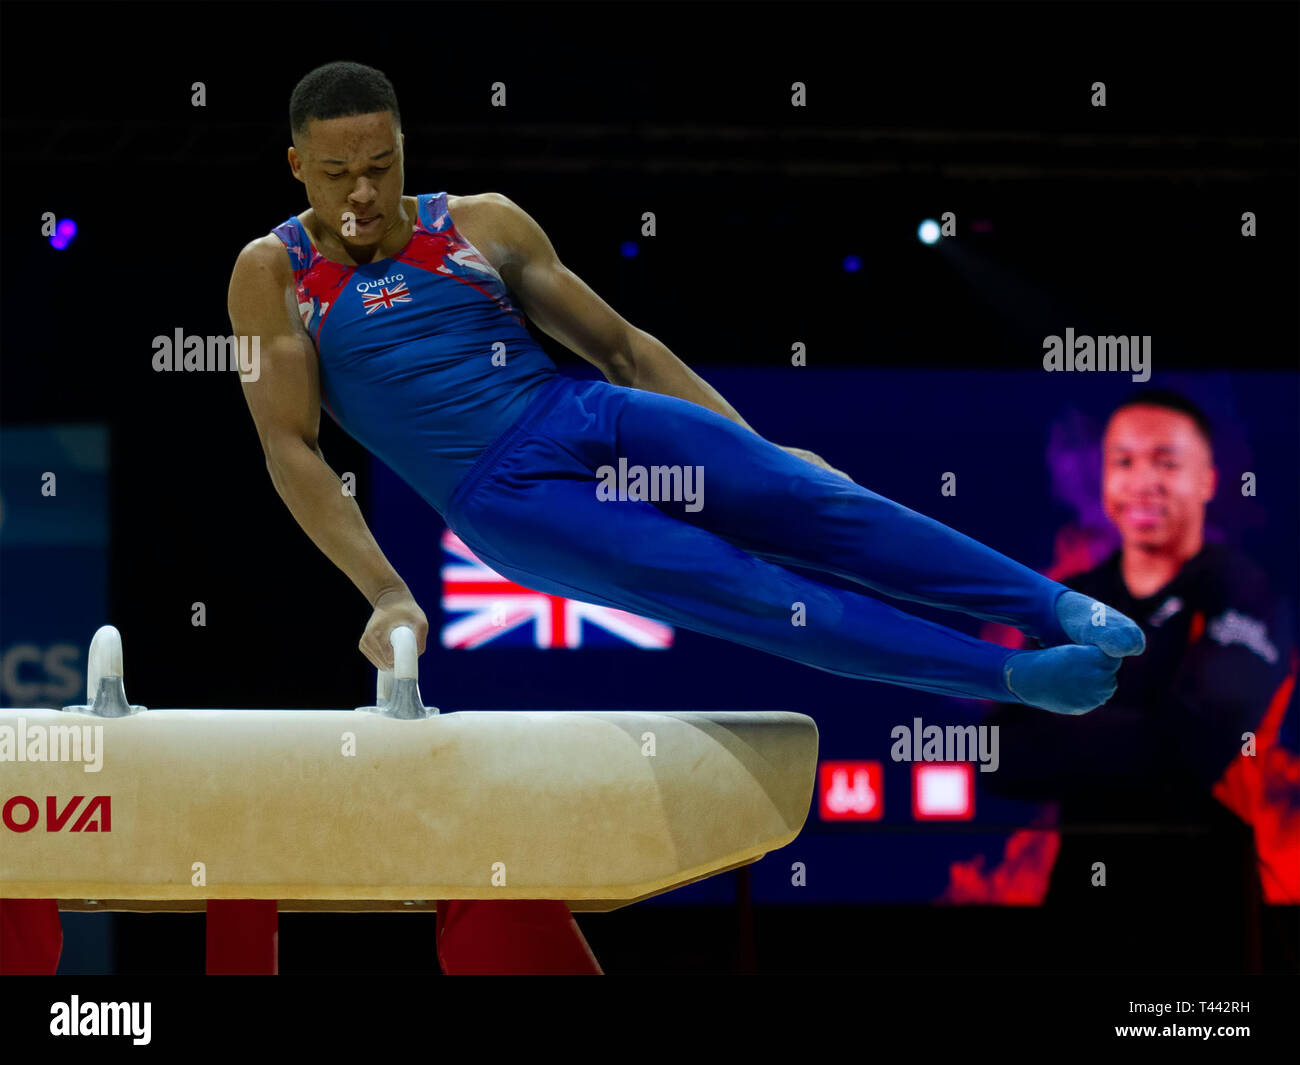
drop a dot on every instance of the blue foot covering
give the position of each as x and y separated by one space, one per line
1087 621
1065 680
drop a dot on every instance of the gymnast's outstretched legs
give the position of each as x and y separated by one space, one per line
780 507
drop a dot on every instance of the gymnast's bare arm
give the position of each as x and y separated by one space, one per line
564 307
285 404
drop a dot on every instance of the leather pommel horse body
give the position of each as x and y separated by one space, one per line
391 807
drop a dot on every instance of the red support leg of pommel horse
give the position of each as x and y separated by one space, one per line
243 937
31 937
512 937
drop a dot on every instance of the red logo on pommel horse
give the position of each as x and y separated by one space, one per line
20 814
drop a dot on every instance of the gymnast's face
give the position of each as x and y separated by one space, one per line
353 164
1157 477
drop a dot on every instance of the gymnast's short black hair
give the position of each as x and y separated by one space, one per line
338 90
1170 400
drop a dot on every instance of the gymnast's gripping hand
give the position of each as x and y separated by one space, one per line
1065 680
816 460
392 608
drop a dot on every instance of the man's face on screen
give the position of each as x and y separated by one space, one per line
1157 476
352 165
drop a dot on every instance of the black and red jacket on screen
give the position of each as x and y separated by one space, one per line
1137 778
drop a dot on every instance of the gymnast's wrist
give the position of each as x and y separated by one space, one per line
391 593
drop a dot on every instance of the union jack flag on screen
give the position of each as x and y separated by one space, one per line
481 607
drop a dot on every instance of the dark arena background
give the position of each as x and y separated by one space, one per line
790 158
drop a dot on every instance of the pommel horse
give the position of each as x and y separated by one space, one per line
498 820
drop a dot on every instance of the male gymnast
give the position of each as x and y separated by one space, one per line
401 315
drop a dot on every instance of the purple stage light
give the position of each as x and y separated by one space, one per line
63 234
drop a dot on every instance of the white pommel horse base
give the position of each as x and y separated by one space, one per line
396 806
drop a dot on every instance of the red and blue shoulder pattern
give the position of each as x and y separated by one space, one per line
435 251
